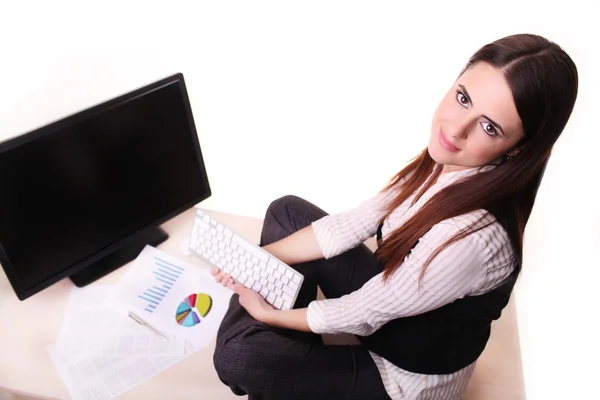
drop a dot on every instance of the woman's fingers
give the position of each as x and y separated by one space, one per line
222 277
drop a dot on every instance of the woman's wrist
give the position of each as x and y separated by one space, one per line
269 317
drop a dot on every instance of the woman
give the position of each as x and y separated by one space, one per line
450 229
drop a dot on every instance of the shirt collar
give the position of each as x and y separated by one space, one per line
448 178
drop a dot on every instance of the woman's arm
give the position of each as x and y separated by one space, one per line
299 247
457 271
332 234
288 319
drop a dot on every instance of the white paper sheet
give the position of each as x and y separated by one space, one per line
89 328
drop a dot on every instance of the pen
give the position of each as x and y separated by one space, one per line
147 325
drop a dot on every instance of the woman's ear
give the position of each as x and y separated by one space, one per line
514 151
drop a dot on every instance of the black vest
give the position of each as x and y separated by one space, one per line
449 338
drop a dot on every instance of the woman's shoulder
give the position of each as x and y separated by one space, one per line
497 251
493 239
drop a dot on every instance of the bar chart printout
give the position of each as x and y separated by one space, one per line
165 275
153 285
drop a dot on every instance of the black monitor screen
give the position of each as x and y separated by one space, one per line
75 187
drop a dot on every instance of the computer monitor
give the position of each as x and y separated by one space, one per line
83 195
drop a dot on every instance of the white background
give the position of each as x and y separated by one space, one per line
327 100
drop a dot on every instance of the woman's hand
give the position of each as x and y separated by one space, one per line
252 301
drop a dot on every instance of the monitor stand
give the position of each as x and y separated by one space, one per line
119 257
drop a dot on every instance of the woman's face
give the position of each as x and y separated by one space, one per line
476 122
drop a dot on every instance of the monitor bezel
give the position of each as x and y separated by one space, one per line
49 128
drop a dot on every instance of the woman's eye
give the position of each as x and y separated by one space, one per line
462 99
489 128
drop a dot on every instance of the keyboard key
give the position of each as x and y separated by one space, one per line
278 302
280 268
289 291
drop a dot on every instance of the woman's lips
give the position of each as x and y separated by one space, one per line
446 144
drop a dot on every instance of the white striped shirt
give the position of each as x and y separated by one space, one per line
470 266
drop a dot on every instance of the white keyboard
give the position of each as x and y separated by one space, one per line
247 263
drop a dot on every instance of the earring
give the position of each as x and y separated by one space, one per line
508 158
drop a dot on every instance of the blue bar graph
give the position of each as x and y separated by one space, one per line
166 274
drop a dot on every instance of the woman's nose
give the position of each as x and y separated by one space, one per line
456 129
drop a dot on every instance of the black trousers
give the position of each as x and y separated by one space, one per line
273 363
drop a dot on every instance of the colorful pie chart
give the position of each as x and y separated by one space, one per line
192 308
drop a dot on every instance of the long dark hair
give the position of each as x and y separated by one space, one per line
544 81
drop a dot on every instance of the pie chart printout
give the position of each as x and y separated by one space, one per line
193 309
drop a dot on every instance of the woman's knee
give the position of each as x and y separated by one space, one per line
293 212
279 221
281 206
236 356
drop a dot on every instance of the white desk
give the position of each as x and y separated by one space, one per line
26 368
